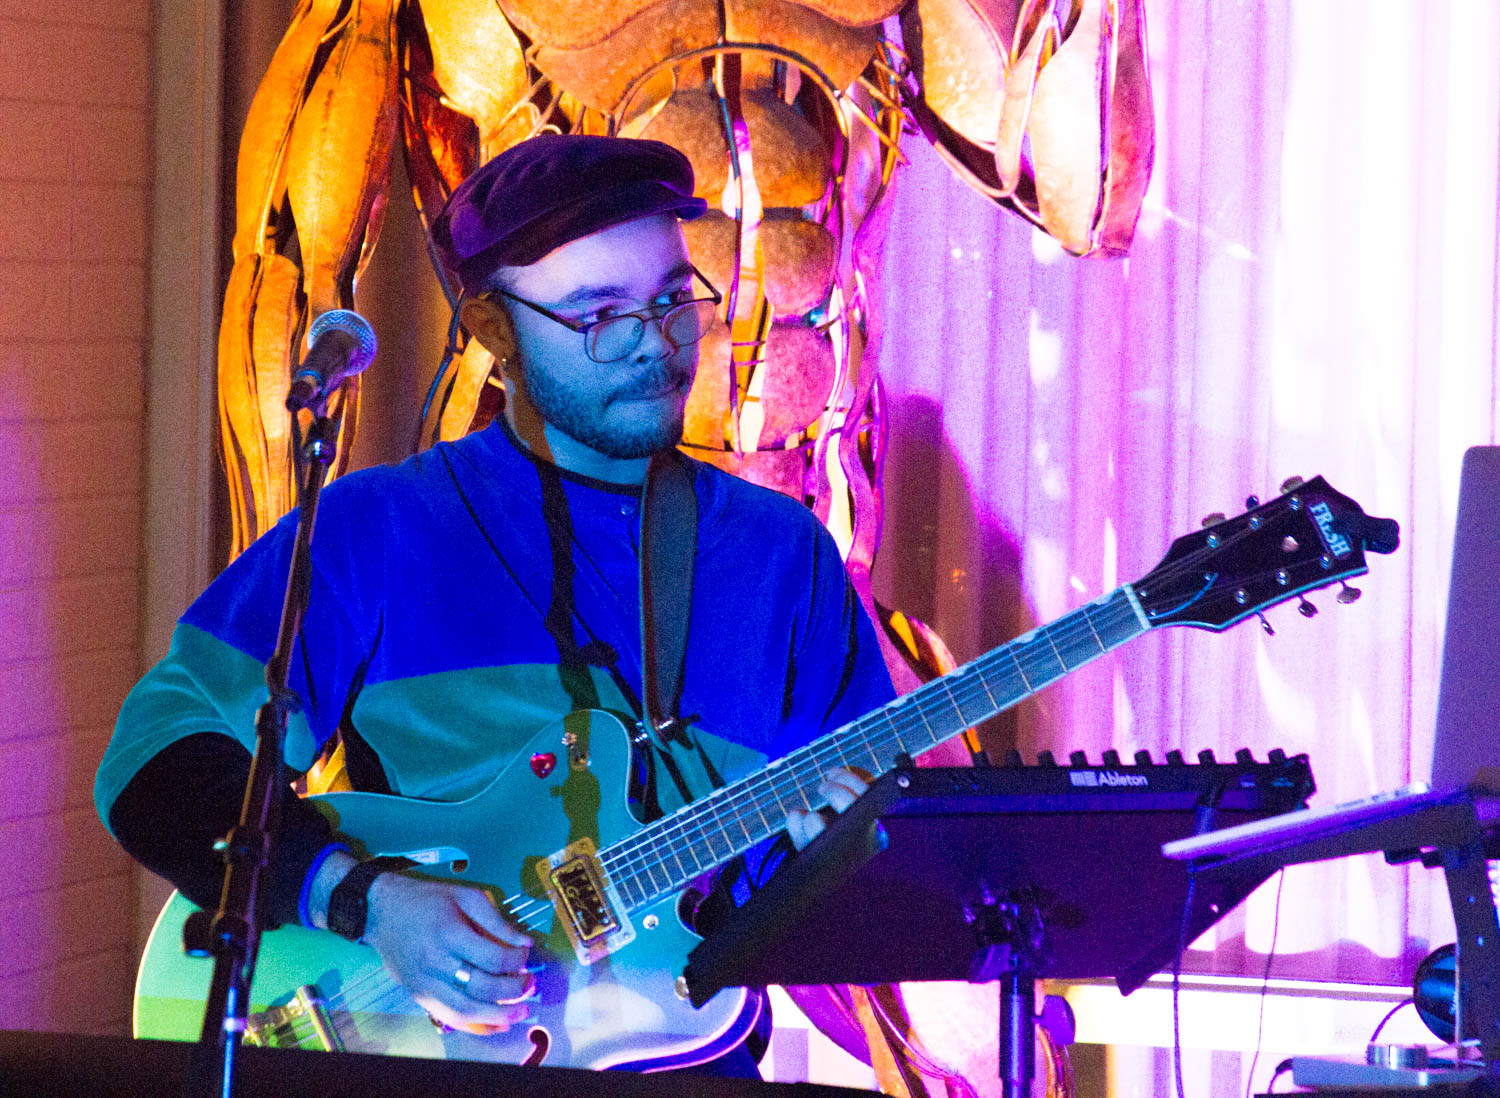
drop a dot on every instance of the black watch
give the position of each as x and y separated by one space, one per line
349 902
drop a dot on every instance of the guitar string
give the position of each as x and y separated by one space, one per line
787 781
927 696
825 750
630 867
943 697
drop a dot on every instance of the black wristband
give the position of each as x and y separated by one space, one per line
349 902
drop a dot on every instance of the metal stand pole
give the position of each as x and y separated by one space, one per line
232 934
1017 1040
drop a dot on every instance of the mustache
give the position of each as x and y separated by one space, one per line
662 376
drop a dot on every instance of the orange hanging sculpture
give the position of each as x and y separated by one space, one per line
791 112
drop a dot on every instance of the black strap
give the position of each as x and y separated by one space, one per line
349 903
669 544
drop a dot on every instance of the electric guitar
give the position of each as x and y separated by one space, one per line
558 848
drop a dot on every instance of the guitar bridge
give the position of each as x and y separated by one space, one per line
589 907
301 1023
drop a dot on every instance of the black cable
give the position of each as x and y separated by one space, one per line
1202 824
1265 982
1281 1069
1388 1016
1182 944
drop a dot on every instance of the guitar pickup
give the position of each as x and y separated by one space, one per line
588 906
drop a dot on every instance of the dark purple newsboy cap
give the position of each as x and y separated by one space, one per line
551 189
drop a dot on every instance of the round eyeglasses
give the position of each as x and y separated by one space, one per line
612 338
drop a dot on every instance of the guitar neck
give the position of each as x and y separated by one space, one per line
700 836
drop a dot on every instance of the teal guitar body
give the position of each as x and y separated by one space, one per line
313 989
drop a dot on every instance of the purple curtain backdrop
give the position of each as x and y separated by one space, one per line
1312 290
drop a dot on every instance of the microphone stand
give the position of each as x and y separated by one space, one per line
232 934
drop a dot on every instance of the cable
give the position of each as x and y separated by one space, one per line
1182 933
1265 982
1281 1069
1388 1016
1203 824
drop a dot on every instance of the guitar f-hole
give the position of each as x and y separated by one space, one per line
541 1042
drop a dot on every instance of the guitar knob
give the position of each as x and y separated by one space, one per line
1045 758
1213 519
1349 594
1307 609
1078 758
1143 758
1206 757
1111 758
1291 484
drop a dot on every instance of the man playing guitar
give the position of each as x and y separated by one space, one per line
475 593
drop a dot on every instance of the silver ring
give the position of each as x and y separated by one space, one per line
462 976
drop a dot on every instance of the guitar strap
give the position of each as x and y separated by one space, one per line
669 544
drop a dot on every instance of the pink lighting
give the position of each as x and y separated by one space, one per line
1312 290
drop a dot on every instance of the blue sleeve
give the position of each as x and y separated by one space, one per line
212 681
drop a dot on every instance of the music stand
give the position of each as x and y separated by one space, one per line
948 874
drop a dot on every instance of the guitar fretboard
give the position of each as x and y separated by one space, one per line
665 856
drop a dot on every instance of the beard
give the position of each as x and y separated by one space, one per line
585 420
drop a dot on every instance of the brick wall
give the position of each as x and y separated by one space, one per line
74 169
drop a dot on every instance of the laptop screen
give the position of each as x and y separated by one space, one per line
1468 716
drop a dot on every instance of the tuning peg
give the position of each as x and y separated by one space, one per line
1348 594
1291 484
1307 609
1252 502
1264 624
1213 519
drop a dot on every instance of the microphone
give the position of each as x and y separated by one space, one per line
340 343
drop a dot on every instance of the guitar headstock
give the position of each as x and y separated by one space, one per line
1308 537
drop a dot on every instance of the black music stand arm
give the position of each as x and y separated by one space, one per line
232 933
1010 937
1478 946
1452 830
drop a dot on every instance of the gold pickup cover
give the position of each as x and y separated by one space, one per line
589 909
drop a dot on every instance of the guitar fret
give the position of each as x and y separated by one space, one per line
651 886
963 721
917 705
890 722
629 891
995 706
1089 621
1015 659
1047 633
